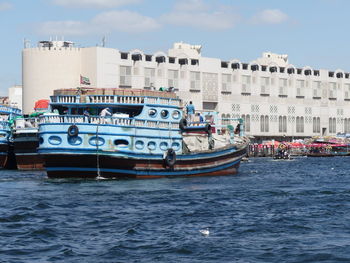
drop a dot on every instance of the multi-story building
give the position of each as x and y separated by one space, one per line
275 98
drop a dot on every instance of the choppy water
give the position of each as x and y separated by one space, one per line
272 211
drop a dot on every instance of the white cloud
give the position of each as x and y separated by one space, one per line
94 3
125 21
191 5
270 16
107 22
62 28
195 13
5 6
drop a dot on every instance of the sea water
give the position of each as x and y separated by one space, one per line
272 211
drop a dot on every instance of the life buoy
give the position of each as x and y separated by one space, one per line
73 130
170 158
182 124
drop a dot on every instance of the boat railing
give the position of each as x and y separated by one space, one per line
120 99
120 121
26 123
64 99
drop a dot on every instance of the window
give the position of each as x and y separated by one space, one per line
264 123
226 83
125 76
265 86
332 125
299 124
195 80
173 77
149 76
246 122
246 84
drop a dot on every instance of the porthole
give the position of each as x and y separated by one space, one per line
176 114
139 145
121 143
41 140
96 141
75 140
163 146
175 146
55 140
152 113
151 146
164 114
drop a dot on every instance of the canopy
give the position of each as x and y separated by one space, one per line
41 104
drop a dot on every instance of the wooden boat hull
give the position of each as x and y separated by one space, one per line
27 157
67 165
4 151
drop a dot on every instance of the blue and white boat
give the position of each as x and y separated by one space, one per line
145 136
7 115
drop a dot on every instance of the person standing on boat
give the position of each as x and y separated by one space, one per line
87 115
190 110
104 113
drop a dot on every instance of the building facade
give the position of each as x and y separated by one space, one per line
275 98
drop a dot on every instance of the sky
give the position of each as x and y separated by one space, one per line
312 32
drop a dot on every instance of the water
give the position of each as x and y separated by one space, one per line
272 211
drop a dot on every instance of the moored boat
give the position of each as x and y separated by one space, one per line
25 144
131 134
7 114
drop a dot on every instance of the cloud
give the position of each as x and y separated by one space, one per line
106 22
62 28
125 21
197 14
5 6
94 3
270 16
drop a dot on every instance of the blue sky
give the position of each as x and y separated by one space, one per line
311 32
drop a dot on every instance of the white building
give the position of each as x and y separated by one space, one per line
15 96
275 98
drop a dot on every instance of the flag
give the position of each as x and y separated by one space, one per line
84 80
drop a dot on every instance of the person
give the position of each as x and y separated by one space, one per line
237 129
104 113
87 115
190 110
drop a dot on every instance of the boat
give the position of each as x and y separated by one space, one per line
25 144
282 152
141 134
7 114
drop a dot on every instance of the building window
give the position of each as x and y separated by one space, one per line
149 77
282 92
316 89
245 84
246 122
300 86
264 123
265 86
346 91
332 125
195 80
125 76
226 83
299 124
332 90
173 78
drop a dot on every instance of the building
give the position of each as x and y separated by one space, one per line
15 96
275 98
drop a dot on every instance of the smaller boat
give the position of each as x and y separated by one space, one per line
25 144
7 114
282 153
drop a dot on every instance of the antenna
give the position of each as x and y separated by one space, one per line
104 41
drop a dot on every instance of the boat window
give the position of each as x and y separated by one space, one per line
176 114
152 113
164 113
121 143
